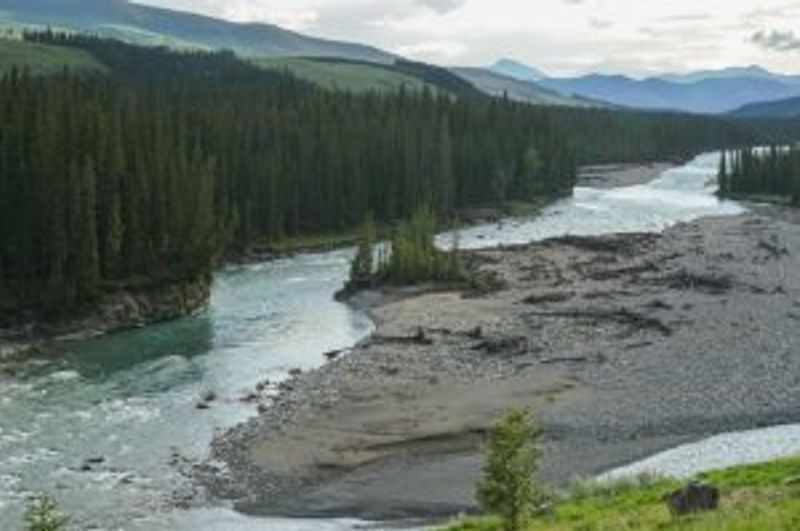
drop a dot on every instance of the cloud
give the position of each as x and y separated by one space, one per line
438 50
442 6
565 37
779 41
600 24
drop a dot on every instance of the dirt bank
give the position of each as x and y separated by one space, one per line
116 311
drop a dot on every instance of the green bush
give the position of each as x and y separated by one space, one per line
414 257
43 515
362 269
508 488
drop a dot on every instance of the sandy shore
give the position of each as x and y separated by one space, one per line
623 345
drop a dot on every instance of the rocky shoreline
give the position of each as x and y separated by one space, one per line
619 361
116 311
624 345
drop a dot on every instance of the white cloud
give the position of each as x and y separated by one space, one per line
444 50
559 36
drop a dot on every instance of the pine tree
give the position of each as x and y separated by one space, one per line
362 268
508 488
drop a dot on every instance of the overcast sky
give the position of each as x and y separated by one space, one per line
558 36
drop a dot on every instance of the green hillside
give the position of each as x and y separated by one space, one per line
44 59
754 497
788 108
351 76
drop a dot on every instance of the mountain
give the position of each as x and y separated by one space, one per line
494 84
517 70
157 26
752 72
707 96
788 108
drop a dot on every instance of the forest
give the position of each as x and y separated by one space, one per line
765 172
147 173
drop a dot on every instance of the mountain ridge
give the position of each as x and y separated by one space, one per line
142 24
787 108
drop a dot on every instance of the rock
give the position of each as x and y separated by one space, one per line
390 371
89 464
249 398
694 497
475 333
513 346
333 354
209 396
202 405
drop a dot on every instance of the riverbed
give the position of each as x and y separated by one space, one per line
110 425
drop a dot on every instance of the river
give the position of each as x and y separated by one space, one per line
129 400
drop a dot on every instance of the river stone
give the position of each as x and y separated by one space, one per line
694 497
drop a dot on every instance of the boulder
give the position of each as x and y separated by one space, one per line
694 497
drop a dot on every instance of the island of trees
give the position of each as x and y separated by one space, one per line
772 172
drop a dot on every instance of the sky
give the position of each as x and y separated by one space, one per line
561 37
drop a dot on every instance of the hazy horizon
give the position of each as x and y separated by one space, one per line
560 37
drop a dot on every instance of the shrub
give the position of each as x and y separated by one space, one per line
508 488
43 515
414 257
362 269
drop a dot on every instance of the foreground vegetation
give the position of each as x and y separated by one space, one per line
773 172
754 498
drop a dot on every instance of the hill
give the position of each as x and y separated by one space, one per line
788 108
44 59
497 85
517 70
708 96
752 71
351 76
156 26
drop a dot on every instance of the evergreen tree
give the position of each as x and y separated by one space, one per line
508 488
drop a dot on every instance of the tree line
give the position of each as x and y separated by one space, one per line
145 174
772 171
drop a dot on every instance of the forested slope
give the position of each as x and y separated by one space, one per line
143 175
761 173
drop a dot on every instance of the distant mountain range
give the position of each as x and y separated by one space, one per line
156 26
495 84
788 108
752 71
517 70
708 92
712 91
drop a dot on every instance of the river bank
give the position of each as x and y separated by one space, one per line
623 344
120 310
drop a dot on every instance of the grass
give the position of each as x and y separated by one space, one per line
754 498
42 59
349 76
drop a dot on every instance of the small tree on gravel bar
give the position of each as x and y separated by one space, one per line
508 488
42 514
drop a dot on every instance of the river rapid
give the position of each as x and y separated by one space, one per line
104 425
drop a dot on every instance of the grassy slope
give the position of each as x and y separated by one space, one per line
41 59
754 498
344 75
